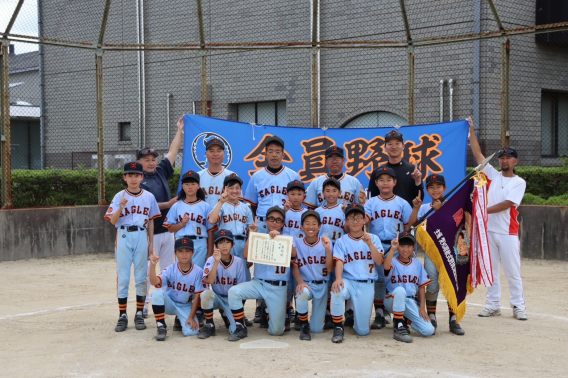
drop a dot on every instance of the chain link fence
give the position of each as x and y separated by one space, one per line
87 84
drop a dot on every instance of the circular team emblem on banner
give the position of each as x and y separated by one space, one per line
198 149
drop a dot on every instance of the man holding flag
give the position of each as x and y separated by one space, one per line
506 191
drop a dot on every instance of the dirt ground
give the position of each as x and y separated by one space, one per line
58 315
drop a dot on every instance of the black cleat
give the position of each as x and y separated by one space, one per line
337 335
379 322
287 325
305 334
161 335
139 322
121 324
263 318
207 331
349 319
248 323
401 334
456 329
240 333
328 322
177 325
257 315
297 324
226 321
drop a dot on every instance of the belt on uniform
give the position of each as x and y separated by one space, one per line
316 282
261 219
366 281
193 237
132 228
238 237
386 241
275 283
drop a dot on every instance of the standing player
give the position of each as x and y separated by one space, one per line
505 194
212 178
296 192
132 211
405 276
351 189
180 285
356 256
311 268
388 214
222 271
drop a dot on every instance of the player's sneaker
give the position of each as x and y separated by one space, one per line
257 315
487 312
305 334
388 319
145 311
122 323
177 325
456 329
248 323
139 322
402 334
328 322
263 317
349 319
161 334
207 331
338 333
379 322
297 324
287 325
240 333
519 314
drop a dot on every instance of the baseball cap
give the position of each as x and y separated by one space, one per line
232 177
133 167
296 184
332 181
406 236
394 134
276 208
187 176
334 150
183 242
354 208
214 142
311 213
274 139
435 178
385 170
146 151
222 234
508 151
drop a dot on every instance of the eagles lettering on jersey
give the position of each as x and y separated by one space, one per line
266 189
198 213
387 216
235 217
357 257
272 190
386 213
332 221
140 209
193 218
181 286
410 275
311 259
292 223
226 276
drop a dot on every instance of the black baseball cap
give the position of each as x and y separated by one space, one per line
332 181
394 134
276 208
406 236
296 184
187 176
354 208
508 151
133 167
183 242
385 170
334 150
214 142
232 177
274 139
312 214
222 234
146 151
435 178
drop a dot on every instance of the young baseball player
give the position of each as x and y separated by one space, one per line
356 256
405 276
269 283
388 214
132 211
222 271
435 186
180 285
311 268
212 178
188 217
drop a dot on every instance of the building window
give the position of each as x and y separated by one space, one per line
376 119
264 113
124 131
554 124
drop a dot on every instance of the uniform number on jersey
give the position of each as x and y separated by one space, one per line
198 230
336 235
145 223
371 267
280 270
324 272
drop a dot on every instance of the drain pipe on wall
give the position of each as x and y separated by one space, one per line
441 100
476 65
168 97
141 75
451 88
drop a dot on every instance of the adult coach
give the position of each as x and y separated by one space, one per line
156 182
351 189
213 177
506 191
408 176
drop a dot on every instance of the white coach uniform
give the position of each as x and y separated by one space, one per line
503 230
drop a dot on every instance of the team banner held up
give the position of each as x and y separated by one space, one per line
455 239
436 148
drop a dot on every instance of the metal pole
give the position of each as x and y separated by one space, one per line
168 97
410 85
476 66
203 54
441 100
6 128
505 71
315 64
451 90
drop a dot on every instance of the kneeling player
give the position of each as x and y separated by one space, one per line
311 268
355 256
182 284
269 283
405 275
222 271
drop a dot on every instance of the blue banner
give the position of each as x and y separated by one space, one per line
437 148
